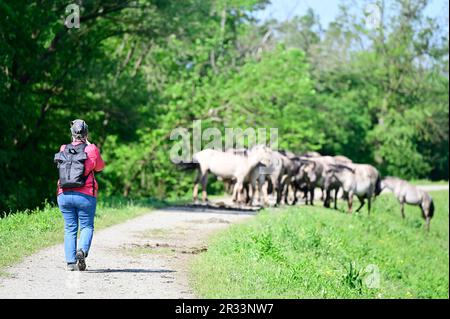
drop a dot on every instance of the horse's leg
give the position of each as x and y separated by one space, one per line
265 192
234 195
369 204
350 202
229 187
344 195
362 201
326 202
261 191
241 194
247 193
287 182
252 193
402 209
204 181
282 187
290 192
285 192
195 191
276 188
335 197
311 200
295 189
253 186
241 191
238 190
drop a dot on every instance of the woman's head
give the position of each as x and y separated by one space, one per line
79 130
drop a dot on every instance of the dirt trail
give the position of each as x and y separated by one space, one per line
146 257
433 188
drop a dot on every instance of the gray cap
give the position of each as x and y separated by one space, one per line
79 128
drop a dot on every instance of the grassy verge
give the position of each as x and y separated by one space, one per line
312 252
23 233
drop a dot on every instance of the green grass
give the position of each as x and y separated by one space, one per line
312 252
23 233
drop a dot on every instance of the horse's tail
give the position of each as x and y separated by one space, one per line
378 188
187 166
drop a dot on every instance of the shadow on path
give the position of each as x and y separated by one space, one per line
127 270
208 209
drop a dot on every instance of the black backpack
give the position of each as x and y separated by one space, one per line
70 164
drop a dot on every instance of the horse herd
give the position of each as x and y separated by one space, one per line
283 174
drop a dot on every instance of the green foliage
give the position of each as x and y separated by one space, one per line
270 92
397 148
313 252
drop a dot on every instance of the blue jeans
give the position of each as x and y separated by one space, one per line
76 207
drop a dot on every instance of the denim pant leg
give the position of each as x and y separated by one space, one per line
86 212
70 214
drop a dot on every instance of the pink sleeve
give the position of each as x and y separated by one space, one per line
96 162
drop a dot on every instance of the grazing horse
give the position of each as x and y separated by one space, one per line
362 180
227 165
410 194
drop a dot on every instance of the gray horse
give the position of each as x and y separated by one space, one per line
331 183
311 172
410 194
227 165
362 180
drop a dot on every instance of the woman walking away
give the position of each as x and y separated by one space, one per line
77 192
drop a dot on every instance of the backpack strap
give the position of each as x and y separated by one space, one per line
82 147
93 183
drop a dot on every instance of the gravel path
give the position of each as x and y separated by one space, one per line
433 188
426 188
146 257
